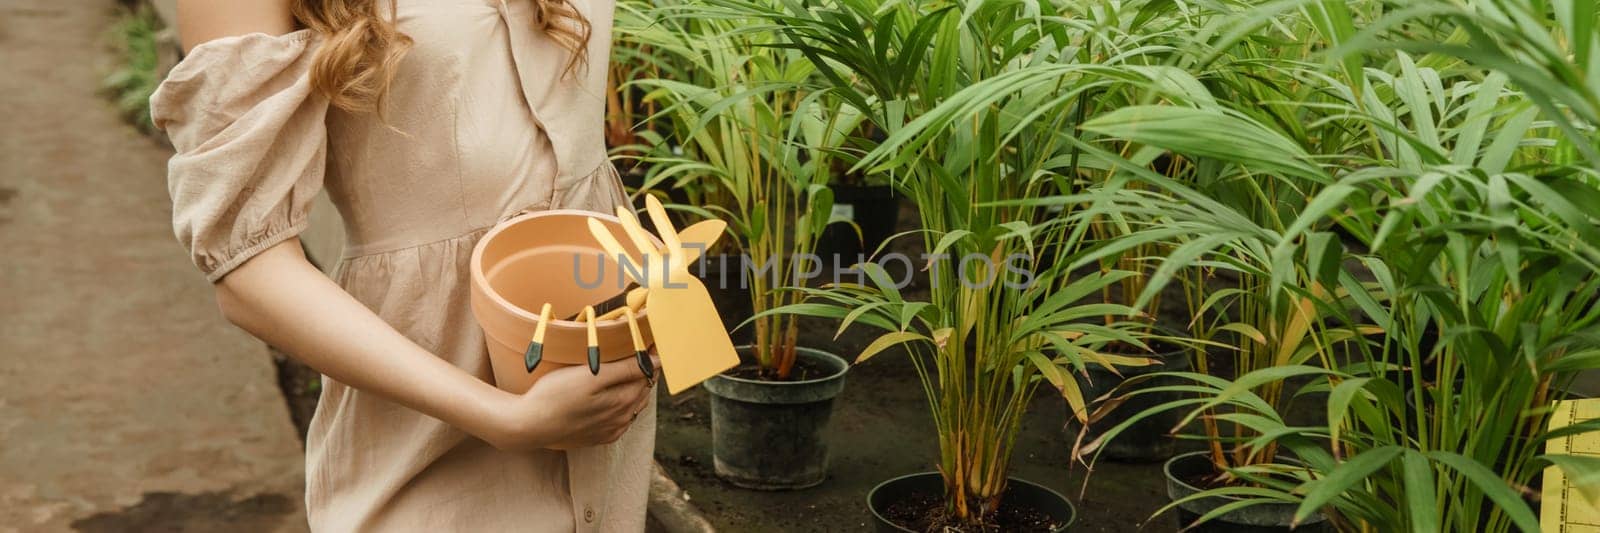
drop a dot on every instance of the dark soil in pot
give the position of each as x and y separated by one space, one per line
804 370
916 503
768 435
1186 473
1149 439
873 208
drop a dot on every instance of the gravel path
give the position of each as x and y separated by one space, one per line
126 402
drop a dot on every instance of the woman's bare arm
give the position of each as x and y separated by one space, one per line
279 297
204 20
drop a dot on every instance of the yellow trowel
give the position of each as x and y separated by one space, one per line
697 238
688 331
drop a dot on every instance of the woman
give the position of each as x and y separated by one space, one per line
427 121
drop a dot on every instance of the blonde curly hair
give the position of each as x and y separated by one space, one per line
362 48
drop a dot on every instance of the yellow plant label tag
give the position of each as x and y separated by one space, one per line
1564 507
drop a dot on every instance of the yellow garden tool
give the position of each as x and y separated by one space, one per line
697 238
535 351
687 328
635 298
641 352
594 341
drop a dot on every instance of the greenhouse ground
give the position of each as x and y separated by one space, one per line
880 430
126 402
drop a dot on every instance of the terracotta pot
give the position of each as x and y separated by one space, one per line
541 257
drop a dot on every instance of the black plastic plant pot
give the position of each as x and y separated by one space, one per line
1149 439
769 435
874 208
1051 505
1260 518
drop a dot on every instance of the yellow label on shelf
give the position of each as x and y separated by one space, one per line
1563 507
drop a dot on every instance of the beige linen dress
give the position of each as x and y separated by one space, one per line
480 124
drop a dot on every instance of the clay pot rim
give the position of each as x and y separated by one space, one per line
478 279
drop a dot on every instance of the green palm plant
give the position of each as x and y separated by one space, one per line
1485 270
757 143
1549 50
1465 305
1240 137
1482 306
1487 299
636 129
633 57
971 98
1270 316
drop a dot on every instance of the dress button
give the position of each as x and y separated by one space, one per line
588 514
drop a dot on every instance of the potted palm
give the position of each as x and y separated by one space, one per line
637 133
1150 29
1477 266
1232 237
1003 314
1444 398
760 147
1259 326
1464 300
1231 221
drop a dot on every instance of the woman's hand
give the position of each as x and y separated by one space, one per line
571 408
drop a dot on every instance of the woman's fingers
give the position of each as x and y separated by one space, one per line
628 401
621 372
642 400
652 375
591 409
632 399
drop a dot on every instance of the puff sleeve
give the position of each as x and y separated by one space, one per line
251 140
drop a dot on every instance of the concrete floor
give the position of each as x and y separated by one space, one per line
126 403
